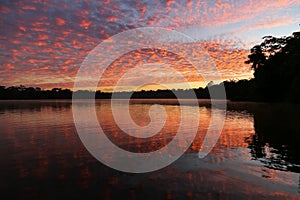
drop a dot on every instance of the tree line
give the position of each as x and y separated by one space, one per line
276 65
233 90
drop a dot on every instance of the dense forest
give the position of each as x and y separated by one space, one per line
235 91
276 65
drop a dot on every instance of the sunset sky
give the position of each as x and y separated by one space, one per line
43 43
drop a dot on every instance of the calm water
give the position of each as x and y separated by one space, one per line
256 156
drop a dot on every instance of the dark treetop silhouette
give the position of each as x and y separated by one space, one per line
276 65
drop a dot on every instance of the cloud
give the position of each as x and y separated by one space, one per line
44 42
269 22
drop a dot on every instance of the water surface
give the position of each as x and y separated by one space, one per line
256 156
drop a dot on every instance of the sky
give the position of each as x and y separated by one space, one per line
43 43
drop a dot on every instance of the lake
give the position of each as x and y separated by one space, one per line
256 156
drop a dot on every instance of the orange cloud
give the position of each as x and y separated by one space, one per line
112 19
60 21
268 22
28 7
169 2
43 37
85 23
22 28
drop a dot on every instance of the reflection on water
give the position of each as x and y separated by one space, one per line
256 155
276 142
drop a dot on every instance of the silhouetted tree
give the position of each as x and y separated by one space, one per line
276 67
